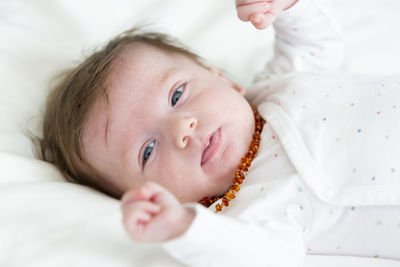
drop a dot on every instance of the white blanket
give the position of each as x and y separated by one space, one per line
47 222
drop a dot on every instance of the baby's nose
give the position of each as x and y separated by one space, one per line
184 129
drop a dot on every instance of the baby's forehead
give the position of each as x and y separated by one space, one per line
144 67
142 57
133 64
142 53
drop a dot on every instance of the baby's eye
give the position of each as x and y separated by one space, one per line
177 95
148 150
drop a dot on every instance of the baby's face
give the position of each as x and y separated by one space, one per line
171 121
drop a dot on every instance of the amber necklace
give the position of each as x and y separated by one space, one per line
242 168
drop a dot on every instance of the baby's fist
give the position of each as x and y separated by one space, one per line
261 13
153 214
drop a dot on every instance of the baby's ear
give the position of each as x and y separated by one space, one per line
228 81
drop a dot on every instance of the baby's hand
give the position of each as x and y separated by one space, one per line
152 214
261 13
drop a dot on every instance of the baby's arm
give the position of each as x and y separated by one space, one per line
307 37
198 237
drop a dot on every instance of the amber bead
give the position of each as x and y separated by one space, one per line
218 207
234 188
230 195
243 167
237 180
255 143
205 202
244 160
250 155
225 201
239 174
256 137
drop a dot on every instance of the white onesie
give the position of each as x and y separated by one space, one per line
327 177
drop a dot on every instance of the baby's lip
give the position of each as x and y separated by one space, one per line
210 146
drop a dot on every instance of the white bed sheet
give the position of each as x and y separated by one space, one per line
47 222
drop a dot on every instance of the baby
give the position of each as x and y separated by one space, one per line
149 120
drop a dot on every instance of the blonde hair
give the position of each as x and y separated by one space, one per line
71 100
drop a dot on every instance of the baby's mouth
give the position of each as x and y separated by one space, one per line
210 146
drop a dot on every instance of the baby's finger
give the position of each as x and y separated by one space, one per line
150 191
147 206
144 192
138 214
130 196
262 21
246 10
135 221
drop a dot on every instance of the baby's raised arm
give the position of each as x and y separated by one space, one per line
307 36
